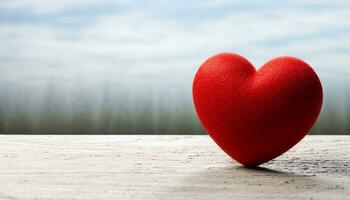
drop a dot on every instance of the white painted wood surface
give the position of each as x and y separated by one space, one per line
166 167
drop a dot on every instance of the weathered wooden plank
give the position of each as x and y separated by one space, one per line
166 167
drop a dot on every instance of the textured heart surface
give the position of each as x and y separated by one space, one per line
255 116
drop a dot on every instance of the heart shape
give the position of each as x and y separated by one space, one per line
255 116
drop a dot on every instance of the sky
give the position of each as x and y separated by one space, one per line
150 50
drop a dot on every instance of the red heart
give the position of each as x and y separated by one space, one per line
255 116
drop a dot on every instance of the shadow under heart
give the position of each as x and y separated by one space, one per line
238 180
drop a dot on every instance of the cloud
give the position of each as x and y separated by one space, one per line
49 6
139 45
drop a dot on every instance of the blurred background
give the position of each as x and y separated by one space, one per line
100 66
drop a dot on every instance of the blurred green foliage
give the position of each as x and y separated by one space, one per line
117 113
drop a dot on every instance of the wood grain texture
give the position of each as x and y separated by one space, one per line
166 167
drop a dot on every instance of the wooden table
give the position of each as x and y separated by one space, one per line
166 167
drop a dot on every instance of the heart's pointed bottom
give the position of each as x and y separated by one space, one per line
258 158
256 162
